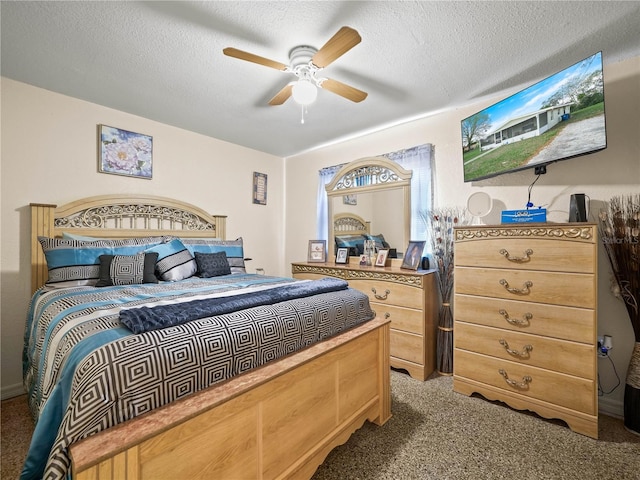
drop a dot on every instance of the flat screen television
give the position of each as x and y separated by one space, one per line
554 119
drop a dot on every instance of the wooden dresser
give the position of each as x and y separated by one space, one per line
409 298
525 328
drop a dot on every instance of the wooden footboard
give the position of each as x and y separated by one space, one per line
278 421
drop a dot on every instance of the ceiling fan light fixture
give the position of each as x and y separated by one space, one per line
304 92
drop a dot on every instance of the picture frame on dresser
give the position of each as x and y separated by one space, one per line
381 258
413 255
342 256
317 251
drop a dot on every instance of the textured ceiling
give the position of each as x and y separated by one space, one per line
164 60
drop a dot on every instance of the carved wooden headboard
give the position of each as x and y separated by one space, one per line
117 216
350 224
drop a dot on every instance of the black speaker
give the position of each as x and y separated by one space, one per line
577 208
424 265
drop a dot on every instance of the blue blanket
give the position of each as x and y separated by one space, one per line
145 319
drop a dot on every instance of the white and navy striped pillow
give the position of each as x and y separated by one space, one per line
175 262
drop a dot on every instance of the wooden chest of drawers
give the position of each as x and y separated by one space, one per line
409 298
525 324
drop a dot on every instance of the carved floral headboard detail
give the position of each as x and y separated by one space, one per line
350 224
118 216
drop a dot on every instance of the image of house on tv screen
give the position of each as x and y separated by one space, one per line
559 117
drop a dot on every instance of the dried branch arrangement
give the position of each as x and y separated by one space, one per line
440 223
619 227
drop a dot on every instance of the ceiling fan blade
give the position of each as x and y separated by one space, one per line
344 40
282 96
250 57
344 90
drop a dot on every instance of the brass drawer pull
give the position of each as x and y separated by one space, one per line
526 318
523 354
518 291
386 315
527 256
524 384
380 297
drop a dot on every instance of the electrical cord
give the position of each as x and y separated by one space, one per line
529 204
601 392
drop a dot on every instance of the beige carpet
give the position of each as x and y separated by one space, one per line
16 429
437 434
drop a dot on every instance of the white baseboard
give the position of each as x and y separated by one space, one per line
11 391
613 408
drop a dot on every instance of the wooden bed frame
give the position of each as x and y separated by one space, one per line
278 421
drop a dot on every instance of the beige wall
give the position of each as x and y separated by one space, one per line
49 145
613 171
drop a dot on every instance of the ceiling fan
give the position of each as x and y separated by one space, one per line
306 62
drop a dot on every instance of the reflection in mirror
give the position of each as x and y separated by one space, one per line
377 191
382 209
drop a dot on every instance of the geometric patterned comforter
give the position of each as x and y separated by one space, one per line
85 372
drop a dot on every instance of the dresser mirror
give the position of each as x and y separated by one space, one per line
370 196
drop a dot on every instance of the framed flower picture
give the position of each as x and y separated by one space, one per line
121 152
350 199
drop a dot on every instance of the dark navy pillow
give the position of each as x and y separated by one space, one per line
212 264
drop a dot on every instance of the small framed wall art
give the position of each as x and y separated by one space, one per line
317 251
342 255
259 188
121 152
350 199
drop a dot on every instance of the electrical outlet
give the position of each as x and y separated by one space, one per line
605 343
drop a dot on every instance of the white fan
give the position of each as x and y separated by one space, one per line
479 205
